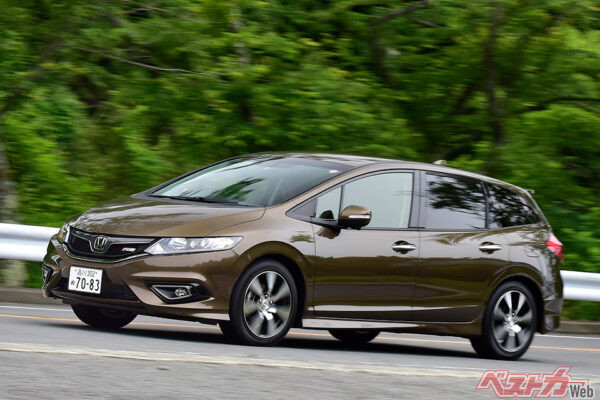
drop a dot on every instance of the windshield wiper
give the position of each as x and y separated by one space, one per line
201 199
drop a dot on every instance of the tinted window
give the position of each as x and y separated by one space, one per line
454 203
508 208
257 180
387 196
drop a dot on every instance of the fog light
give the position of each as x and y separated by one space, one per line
172 293
178 292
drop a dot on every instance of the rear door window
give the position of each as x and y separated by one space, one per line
454 203
508 208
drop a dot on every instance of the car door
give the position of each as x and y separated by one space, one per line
459 255
367 274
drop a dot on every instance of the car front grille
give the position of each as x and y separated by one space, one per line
109 291
104 247
79 246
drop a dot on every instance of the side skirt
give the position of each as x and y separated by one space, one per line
465 329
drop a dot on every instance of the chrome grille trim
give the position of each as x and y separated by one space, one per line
81 245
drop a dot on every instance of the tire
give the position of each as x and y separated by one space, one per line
228 332
102 318
263 305
352 336
509 323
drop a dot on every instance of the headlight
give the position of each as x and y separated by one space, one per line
192 245
63 233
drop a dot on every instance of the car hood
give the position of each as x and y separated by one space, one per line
137 216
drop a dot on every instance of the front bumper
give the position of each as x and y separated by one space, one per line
127 284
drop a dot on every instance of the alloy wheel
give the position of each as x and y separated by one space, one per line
267 304
512 321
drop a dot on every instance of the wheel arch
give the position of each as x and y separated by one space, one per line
298 279
532 280
295 262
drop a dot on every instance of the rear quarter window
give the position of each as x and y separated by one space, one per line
454 203
508 208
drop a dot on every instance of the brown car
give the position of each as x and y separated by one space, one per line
355 245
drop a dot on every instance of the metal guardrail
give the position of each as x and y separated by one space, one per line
581 285
24 242
28 242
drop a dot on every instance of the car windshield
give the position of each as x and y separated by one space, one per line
253 181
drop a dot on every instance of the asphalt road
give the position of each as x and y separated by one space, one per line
45 352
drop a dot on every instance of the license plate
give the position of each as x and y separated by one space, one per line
86 280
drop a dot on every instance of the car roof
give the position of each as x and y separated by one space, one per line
356 161
344 159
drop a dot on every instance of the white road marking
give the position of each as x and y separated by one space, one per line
236 360
39 308
570 337
413 371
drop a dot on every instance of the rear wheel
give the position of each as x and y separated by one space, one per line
354 336
263 305
509 323
102 318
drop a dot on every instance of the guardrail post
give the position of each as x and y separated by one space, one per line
13 273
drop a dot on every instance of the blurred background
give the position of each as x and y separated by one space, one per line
103 99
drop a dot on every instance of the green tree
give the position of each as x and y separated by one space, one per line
103 99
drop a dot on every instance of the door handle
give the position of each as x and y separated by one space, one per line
403 247
489 247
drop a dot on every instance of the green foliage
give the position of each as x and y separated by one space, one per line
34 275
101 99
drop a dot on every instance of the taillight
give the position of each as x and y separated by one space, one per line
556 246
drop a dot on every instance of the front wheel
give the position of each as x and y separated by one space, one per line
354 336
509 323
102 318
263 305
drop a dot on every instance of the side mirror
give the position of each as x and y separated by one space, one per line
327 220
354 217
